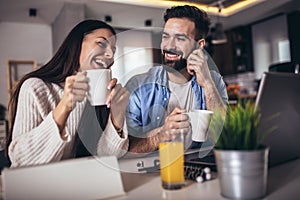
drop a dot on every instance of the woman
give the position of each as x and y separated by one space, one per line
48 104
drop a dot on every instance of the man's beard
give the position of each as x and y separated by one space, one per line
177 65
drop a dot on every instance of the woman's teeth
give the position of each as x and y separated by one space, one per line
101 63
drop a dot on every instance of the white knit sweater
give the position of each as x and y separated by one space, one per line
36 138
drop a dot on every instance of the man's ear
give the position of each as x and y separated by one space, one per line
201 43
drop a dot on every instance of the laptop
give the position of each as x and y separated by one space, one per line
279 101
139 163
82 178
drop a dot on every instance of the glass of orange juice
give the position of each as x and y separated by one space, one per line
171 158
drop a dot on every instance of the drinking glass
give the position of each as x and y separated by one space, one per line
171 156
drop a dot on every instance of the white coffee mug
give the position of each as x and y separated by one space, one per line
200 120
98 82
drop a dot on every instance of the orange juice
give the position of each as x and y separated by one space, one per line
171 164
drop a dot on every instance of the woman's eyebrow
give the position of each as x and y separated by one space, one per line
102 37
105 39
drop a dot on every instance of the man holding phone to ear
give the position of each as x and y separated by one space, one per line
160 97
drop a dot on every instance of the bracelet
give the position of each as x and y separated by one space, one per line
65 136
120 131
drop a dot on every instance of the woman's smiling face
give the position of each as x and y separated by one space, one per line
97 50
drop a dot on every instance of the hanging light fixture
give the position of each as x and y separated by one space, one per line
218 35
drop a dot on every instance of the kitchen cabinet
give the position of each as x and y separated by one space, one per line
235 56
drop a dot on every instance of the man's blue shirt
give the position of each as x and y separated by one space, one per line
149 98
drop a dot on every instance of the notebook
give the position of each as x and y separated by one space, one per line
84 178
279 101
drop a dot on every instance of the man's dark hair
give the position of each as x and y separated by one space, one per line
198 16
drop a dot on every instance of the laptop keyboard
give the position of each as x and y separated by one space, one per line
199 169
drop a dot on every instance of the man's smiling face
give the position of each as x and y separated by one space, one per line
177 42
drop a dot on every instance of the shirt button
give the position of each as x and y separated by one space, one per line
165 99
158 118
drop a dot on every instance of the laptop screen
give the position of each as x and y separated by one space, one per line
279 101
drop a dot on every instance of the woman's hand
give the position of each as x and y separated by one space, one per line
75 90
117 101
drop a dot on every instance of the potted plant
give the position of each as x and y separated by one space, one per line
242 160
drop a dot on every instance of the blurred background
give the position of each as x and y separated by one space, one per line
245 39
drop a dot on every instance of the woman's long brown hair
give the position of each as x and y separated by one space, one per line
63 64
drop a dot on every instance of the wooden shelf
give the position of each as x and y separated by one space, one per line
15 70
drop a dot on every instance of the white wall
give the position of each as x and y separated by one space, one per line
20 41
134 54
70 15
270 42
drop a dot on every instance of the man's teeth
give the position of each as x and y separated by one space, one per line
101 63
172 55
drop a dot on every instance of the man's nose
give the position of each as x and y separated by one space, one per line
171 44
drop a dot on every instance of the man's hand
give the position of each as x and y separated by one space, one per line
177 122
197 63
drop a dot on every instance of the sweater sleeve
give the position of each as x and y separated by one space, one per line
110 143
36 139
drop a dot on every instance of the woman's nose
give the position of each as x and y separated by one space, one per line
109 53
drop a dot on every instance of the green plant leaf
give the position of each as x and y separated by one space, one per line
240 129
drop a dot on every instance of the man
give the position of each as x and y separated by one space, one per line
160 97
